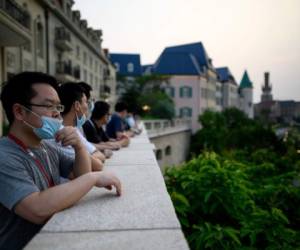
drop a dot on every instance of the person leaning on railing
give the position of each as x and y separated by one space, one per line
31 169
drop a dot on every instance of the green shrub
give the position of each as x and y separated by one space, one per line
224 203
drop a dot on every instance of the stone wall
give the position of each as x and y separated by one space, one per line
171 140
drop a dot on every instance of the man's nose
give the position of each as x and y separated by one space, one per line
56 114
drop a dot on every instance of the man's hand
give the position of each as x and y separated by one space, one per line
69 136
107 180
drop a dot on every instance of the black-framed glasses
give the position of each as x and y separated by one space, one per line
58 107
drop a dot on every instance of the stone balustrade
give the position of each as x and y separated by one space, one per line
161 127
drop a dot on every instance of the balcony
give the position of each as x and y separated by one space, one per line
63 39
14 24
64 71
142 218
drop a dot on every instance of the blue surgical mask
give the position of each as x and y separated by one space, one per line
91 107
80 121
49 128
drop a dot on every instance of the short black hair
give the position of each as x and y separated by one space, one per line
121 106
87 89
19 89
100 109
69 93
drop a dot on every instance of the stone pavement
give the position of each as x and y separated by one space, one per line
142 218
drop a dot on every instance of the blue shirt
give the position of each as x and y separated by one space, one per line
114 125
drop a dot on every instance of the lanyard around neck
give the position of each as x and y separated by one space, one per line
42 169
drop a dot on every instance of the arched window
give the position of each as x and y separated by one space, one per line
159 154
185 112
130 67
40 39
168 150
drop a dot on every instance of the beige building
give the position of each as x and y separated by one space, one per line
193 80
48 36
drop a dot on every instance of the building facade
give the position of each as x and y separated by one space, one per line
193 82
49 36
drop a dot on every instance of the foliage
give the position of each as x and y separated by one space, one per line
227 204
147 90
230 130
245 196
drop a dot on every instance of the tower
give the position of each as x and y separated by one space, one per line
246 95
266 89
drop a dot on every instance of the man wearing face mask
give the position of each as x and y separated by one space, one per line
30 184
73 97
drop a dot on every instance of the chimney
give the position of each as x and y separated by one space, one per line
106 52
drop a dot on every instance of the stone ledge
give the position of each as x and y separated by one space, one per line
142 218
133 240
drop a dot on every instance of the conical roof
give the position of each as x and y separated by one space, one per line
246 83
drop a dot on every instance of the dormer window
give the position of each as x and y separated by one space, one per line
130 67
117 67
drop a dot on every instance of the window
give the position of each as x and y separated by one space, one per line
159 154
91 79
27 47
78 52
186 91
85 75
117 67
185 112
168 150
40 39
91 62
96 66
84 58
170 91
130 67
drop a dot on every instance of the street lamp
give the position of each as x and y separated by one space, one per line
146 108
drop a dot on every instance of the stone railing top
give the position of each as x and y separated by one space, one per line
142 218
161 127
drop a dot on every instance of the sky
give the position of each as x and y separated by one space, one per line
252 35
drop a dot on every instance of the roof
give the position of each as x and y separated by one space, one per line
225 75
122 61
287 103
187 59
177 64
246 83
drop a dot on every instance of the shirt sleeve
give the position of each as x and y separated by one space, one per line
90 132
15 181
89 146
65 159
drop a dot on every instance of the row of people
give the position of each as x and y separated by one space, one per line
46 162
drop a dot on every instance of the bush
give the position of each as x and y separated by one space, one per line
224 203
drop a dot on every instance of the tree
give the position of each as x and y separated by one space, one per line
147 91
230 130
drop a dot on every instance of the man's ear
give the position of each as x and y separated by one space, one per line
76 106
18 111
